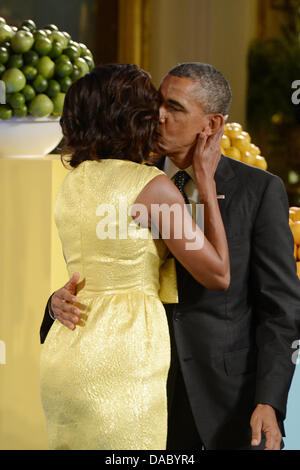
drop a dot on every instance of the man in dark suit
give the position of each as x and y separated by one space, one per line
231 351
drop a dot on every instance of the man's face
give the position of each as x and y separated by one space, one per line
181 119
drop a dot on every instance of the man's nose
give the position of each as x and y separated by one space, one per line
162 115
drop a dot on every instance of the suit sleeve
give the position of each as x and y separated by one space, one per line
276 290
46 323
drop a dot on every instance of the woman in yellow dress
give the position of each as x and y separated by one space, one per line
103 385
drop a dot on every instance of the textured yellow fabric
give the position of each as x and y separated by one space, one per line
103 385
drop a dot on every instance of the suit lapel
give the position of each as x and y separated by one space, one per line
224 175
226 181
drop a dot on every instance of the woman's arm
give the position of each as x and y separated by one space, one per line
204 256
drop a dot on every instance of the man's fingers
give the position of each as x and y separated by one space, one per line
64 295
66 317
73 281
273 440
201 142
270 441
59 306
66 323
217 136
256 432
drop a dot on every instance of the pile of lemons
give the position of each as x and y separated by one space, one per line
236 143
295 228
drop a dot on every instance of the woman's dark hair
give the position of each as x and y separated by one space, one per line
112 112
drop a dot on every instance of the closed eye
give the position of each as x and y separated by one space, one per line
175 108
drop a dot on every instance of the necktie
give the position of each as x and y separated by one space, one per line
180 180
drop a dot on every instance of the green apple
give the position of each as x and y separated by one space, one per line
52 27
60 37
30 24
46 67
42 46
6 32
57 48
82 65
16 100
5 112
58 104
28 92
14 80
22 42
16 60
21 111
4 55
31 58
41 106
53 88
72 52
63 69
29 72
65 84
39 33
40 84
89 61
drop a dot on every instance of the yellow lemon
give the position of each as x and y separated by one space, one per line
295 252
241 143
296 212
254 149
290 222
298 251
233 152
298 268
248 158
236 124
227 127
225 142
233 132
260 162
247 136
292 215
296 232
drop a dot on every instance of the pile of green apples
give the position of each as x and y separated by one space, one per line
37 67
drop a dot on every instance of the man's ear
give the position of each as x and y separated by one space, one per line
214 123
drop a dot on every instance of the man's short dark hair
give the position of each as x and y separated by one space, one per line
214 92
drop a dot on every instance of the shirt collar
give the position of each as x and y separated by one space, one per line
171 169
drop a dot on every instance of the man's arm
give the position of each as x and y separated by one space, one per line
60 306
276 291
47 322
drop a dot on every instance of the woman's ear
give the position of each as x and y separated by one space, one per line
215 122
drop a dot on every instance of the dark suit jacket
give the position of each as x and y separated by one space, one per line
234 347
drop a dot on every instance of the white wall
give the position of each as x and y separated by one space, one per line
213 31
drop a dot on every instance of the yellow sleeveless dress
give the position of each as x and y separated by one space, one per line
103 385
